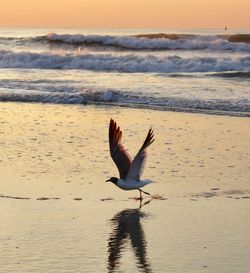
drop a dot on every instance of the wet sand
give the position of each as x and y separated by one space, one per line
59 215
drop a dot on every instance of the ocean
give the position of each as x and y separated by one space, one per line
205 71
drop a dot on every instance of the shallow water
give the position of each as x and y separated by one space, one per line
197 219
164 236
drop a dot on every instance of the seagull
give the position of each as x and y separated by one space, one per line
130 171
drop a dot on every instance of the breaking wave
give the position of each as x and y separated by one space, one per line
117 98
154 41
122 63
157 41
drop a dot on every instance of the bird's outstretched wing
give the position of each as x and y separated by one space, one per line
117 150
138 163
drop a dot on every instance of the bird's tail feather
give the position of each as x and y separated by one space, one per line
148 181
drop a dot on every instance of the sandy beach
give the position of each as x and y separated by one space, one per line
59 215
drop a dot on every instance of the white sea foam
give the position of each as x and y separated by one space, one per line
122 63
132 42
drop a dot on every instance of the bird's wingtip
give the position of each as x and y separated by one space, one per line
111 121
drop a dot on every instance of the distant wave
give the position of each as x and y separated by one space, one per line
236 38
234 74
239 38
151 41
116 98
224 74
124 63
158 41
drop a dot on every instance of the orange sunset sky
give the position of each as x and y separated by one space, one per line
125 13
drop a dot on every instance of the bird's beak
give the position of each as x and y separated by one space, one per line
108 180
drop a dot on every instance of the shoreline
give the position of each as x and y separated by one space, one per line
177 110
143 107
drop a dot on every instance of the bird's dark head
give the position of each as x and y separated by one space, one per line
113 180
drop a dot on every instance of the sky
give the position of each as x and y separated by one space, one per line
125 13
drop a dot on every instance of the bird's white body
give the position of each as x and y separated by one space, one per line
132 184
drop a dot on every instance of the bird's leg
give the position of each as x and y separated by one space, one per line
145 192
140 203
140 194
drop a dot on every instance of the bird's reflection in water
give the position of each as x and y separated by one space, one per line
127 228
